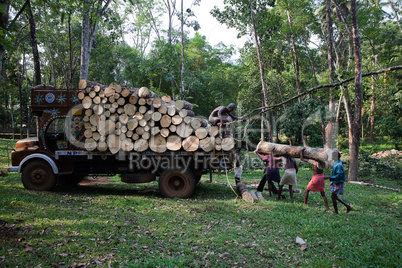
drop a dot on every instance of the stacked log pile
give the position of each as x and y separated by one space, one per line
129 119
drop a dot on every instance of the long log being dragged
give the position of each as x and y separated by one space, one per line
319 154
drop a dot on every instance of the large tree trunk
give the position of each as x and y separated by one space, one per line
356 123
34 44
319 154
295 58
262 73
330 126
88 33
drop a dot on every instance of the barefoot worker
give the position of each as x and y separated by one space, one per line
289 177
337 185
271 173
317 182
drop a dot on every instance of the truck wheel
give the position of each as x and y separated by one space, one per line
38 175
177 183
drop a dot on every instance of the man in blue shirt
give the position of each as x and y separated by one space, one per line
337 185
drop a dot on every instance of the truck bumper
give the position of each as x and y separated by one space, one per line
12 168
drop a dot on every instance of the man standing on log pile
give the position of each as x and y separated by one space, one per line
271 174
337 185
223 116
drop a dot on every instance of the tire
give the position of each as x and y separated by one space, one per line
38 175
176 183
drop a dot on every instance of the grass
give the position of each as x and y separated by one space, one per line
130 225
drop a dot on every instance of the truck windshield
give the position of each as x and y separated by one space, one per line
55 137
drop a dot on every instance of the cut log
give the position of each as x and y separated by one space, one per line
156 103
144 92
90 144
176 119
113 143
173 143
125 93
183 113
228 143
141 145
195 123
155 131
201 133
127 145
165 121
244 192
191 143
172 110
184 130
156 116
158 144
142 109
182 104
102 146
172 128
81 95
166 99
132 124
146 135
87 102
318 154
109 92
133 99
207 144
130 109
162 109
213 131
82 84
164 132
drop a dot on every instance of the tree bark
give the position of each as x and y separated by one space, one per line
330 41
356 121
88 33
34 44
262 73
295 58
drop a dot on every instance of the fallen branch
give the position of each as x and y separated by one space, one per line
375 185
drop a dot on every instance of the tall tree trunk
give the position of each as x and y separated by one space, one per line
311 60
372 106
171 11
3 25
395 13
85 36
182 50
20 80
88 33
295 58
261 65
330 128
34 44
356 121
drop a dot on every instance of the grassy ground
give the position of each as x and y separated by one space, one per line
123 225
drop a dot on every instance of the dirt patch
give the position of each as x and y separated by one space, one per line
96 180
7 231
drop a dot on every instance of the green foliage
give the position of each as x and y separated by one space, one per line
388 167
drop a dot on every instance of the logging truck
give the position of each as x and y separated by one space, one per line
107 130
